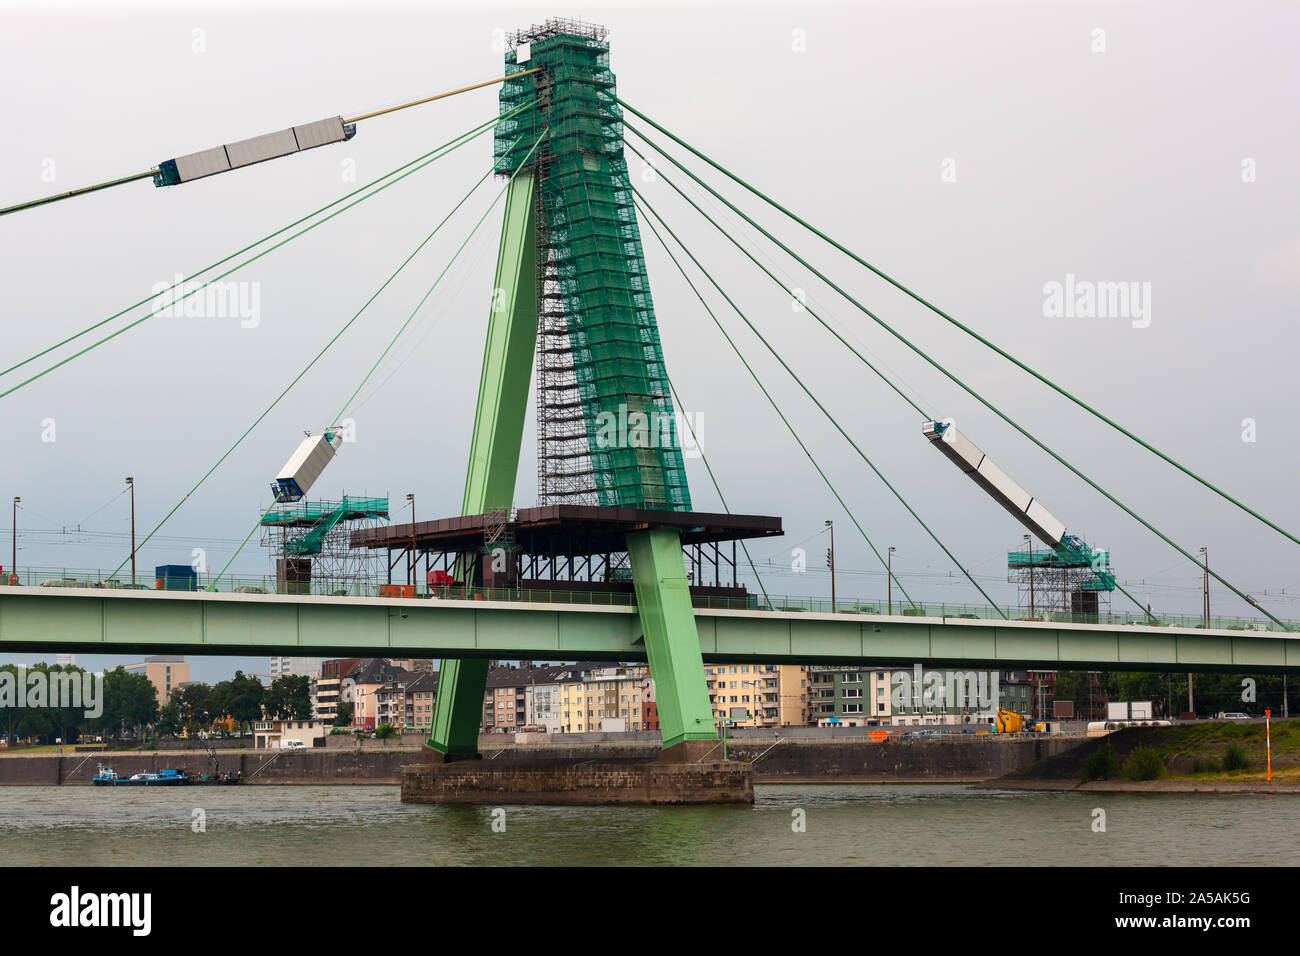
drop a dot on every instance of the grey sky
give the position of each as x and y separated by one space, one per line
1117 166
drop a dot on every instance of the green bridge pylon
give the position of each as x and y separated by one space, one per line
570 207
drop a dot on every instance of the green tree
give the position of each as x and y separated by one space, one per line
194 703
169 720
243 699
343 715
130 702
289 698
39 718
386 731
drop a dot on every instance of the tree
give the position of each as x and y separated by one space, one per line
130 700
289 698
243 699
343 716
169 720
385 731
39 717
1072 685
194 703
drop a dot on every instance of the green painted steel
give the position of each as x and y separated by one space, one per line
672 643
101 621
320 518
590 228
497 440
507 360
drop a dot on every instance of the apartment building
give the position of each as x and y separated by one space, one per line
567 698
772 695
296 666
419 702
327 687
378 690
166 673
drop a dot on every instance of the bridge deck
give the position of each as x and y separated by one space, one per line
34 619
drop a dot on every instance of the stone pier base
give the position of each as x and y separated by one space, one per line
586 783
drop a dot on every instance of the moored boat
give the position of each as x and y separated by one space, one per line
108 777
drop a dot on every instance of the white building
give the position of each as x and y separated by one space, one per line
297 666
271 734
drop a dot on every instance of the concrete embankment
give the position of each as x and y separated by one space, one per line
958 760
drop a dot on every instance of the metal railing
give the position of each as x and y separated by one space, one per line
324 587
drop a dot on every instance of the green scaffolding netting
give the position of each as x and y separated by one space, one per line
591 229
320 518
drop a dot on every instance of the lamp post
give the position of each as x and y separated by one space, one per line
889 564
830 555
411 499
1205 589
13 564
1205 613
1030 542
130 482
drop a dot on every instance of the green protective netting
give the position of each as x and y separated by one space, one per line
1103 579
591 227
320 518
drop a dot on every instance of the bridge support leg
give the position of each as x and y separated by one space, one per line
672 643
494 452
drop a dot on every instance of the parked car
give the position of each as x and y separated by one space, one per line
292 745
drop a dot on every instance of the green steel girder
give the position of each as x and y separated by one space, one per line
92 620
497 440
672 643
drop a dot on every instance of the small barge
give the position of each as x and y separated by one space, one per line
107 777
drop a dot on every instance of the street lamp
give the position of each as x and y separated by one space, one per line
1205 553
1205 592
411 499
13 565
131 484
831 560
1030 542
889 575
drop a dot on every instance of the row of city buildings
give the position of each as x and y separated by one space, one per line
586 697
593 696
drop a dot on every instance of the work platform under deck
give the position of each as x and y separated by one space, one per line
567 547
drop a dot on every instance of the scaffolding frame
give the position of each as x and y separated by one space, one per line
595 313
309 545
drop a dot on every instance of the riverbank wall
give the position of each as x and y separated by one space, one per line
953 760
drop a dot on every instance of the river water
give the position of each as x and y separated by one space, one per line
843 825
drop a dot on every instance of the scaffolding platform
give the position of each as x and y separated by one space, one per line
569 546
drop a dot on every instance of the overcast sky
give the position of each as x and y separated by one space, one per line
977 151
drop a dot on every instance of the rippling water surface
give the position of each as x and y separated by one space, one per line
845 825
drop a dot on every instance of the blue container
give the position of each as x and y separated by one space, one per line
176 577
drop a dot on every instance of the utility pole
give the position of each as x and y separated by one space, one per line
13 565
131 484
1205 553
1030 542
830 559
411 499
1206 587
890 575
